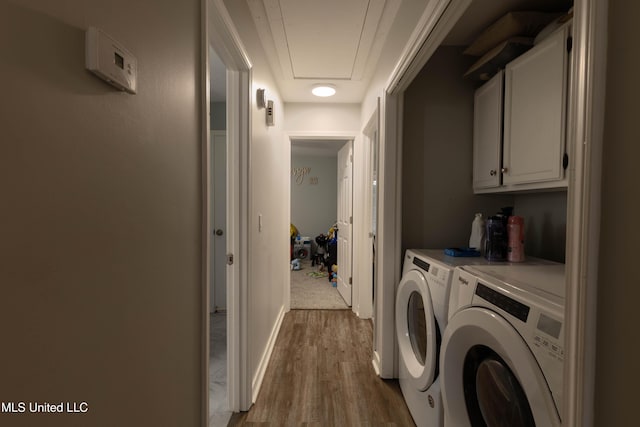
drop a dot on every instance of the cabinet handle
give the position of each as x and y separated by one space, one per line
505 170
492 172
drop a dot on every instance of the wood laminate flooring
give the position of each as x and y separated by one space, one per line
320 374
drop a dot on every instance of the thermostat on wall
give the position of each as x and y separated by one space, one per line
110 61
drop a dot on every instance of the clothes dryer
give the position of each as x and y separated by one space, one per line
503 350
422 302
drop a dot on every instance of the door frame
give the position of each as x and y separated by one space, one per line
363 301
584 139
435 23
219 32
313 135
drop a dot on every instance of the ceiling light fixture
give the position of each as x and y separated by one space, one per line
323 90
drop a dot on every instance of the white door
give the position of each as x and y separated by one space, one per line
218 292
345 219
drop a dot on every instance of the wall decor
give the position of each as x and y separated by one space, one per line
300 173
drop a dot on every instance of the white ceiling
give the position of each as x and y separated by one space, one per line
309 42
339 42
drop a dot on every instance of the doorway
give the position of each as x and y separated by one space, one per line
220 34
219 409
316 232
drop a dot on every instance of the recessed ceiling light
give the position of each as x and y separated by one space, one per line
323 90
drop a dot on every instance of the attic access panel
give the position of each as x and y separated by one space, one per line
324 40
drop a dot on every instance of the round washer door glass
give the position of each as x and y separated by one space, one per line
490 376
416 329
417 324
494 395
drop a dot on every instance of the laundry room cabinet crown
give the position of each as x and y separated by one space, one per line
519 138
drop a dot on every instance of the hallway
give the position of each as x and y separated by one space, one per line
321 374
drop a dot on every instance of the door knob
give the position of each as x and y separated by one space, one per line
219 232
505 170
492 172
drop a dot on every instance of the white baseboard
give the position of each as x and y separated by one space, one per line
376 363
266 356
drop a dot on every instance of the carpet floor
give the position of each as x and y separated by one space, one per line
312 290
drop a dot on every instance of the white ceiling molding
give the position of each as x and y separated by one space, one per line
259 15
331 41
370 29
274 27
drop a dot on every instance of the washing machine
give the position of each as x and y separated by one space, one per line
422 302
502 353
302 247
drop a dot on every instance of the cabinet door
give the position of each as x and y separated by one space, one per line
534 116
487 134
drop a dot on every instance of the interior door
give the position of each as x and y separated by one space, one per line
345 220
218 292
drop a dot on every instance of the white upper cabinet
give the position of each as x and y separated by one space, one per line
535 113
519 138
487 134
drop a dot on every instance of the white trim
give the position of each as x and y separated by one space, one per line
363 241
435 23
376 363
205 212
266 356
388 255
224 38
238 136
585 139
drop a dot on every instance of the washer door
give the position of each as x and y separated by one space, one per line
416 329
490 376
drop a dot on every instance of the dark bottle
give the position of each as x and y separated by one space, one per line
496 239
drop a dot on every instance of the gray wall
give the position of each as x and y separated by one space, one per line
618 371
100 225
438 203
218 116
545 223
314 207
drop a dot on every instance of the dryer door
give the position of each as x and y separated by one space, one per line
490 376
416 329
